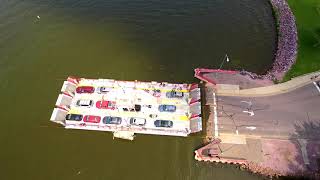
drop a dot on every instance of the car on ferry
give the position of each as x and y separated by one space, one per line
103 90
85 89
74 117
163 123
174 94
135 108
106 105
92 119
137 121
84 103
112 120
167 108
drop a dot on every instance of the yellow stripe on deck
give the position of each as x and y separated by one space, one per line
164 90
74 111
84 84
115 86
183 118
95 86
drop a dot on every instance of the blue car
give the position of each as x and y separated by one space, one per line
163 123
167 108
174 94
111 120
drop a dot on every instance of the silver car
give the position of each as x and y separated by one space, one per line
84 103
103 90
174 94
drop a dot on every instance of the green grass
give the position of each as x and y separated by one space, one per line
307 14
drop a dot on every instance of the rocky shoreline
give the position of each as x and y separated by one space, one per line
287 45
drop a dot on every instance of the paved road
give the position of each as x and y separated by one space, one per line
291 115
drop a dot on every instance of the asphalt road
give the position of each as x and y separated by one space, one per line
291 115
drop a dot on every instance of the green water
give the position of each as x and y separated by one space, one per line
158 40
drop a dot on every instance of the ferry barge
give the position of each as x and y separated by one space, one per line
129 107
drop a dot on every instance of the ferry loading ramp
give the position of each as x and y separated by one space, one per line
131 99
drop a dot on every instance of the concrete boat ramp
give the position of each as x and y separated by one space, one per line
272 130
129 107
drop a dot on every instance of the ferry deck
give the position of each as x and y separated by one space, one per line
128 107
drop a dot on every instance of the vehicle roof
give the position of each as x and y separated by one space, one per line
139 120
84 87
85 101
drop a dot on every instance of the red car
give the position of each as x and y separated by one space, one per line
106 105
92 119
85 89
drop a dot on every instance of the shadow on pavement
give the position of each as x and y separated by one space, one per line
307 140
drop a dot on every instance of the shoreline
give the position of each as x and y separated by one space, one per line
287 45
264 160
289 159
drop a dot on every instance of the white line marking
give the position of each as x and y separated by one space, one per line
248 102
251 127
216 134
315 84
251 113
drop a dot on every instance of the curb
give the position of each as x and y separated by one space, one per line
276 89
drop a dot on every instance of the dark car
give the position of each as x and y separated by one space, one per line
111 120
167 108
174 94
136 108
85 89
163 123
74 117
138 121
92 119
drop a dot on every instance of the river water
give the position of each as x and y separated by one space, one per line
160 40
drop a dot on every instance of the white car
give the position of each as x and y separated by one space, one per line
84 103
137 121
